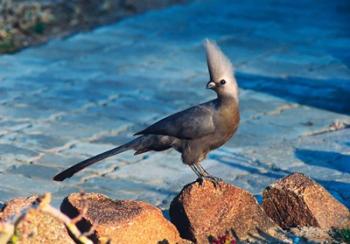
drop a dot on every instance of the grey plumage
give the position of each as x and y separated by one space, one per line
193 132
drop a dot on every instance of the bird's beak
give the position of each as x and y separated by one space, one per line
211 85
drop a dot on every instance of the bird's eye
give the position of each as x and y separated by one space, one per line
222 82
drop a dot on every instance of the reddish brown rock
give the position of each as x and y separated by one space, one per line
297 201
14 207
202 210
33 225
120 221
36 226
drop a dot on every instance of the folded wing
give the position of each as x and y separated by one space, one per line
191 123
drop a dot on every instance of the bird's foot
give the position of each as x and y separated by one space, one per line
204 175
215 180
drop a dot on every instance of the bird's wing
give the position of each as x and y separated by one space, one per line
191 123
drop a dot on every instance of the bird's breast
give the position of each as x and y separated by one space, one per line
226 125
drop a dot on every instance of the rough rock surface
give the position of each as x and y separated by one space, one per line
202 210
120 221
297 200
37 226
14 207
33 225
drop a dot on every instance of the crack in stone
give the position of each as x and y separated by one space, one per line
333 127
280 109
102 134
55 116
111 169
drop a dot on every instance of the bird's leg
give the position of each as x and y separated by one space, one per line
200 174
203 174
203 169
195 170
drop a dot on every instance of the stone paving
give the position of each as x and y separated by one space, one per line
72 98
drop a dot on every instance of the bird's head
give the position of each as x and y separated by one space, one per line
221 72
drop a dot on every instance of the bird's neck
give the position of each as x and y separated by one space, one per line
229 94
227 100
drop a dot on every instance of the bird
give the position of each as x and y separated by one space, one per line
193 132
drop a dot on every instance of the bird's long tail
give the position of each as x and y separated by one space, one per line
79 166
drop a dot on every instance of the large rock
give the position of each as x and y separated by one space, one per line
14 207
32 225
202 210
120 221
297 201
37 226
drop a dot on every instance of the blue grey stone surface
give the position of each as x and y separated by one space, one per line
72 98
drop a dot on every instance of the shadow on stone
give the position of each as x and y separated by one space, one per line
83 225
276 174
311 92
332 160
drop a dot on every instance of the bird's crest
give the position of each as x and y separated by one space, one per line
218 64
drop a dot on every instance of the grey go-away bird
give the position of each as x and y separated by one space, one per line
193 132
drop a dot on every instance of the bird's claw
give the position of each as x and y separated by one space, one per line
215 180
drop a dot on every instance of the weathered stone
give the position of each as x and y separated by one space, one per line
36 226
297 201
202 210
33 225
14 207
123 221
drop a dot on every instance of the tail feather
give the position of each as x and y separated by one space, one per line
79 166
